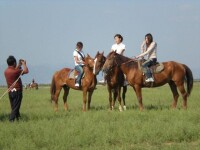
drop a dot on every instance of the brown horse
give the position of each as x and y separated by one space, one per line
174 74
61 80
33 86
115 80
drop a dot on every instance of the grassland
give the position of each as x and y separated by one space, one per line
157 127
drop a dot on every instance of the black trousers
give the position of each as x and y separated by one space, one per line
15 102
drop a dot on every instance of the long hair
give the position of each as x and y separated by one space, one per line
150 39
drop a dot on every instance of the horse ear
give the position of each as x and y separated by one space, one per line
88 55
103 53
98 53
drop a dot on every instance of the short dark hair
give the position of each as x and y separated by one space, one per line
150 37
79 44
11 61
119 36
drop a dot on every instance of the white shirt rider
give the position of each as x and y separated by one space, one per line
119 48
80 60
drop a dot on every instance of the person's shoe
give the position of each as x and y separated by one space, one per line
102 81
76 85
125 83
149 80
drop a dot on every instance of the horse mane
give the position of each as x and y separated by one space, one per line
126 60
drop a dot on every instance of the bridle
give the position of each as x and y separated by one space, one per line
102 61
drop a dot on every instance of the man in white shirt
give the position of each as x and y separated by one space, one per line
118 47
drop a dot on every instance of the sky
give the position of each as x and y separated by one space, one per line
45 32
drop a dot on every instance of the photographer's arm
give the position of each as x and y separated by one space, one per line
25 68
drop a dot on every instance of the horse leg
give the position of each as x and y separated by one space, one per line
124 96
138 91
89 98
114 97
57 93
184 95
110 97
119 98
84 99
66 92
173 88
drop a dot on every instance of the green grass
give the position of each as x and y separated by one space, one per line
157 127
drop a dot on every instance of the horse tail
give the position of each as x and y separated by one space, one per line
53 88
189 79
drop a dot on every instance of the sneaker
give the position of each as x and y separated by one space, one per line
102 81
125 83
149 80
76 85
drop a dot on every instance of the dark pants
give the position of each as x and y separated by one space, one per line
148 63
15 102
79 68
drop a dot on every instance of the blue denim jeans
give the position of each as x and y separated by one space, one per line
148 63
79 68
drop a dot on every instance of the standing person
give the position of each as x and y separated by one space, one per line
149 48
118 47
12 73
79 62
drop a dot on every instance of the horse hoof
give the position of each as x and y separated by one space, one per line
120 108
124 107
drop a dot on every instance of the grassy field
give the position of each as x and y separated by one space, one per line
157 127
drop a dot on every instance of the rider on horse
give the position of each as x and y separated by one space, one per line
79 62
148 48
118 47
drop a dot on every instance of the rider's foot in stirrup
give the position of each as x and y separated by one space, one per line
102 81
76 85
149 79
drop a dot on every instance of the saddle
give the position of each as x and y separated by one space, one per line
73 74
155 68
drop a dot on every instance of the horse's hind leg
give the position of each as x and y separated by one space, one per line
184 94
56 98
138 91
124 96
66 92
173 88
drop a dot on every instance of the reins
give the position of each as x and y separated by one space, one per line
10 88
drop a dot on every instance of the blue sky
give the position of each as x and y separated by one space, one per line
44 32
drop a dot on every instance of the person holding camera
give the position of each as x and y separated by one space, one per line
12 75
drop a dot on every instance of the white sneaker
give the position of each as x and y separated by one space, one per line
102 81
149 80
76 85
125 83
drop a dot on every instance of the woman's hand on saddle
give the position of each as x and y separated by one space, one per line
137 57
83 62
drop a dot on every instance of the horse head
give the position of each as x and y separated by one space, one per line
89 62
98 62
110 62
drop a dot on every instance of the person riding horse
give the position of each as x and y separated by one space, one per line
119 47
79 62
148 48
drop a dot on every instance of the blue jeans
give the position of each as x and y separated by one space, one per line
148 63
79 68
